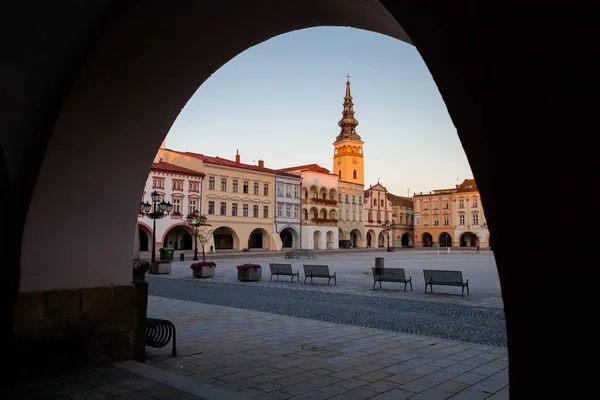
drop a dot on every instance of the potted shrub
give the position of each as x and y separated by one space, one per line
140 267
249 272
161 267
203 269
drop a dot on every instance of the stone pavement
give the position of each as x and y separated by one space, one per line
354 275
268 356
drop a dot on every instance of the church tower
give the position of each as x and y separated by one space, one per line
348 157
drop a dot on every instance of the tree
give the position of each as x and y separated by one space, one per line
203 237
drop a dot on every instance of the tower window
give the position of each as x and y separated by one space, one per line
354 174
340 173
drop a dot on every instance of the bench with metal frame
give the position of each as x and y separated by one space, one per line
284 270
445 278
303 253
318 271
391 275
159 332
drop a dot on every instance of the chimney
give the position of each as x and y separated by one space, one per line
237 156
261 163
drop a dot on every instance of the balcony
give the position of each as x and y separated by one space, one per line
322 202
320 221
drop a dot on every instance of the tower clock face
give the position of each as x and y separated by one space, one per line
354 161
339 161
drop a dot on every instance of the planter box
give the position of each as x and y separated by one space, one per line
160 268
250 275
204 272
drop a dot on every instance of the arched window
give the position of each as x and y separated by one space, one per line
306 193
315 214
360 150
336 151
340 173
324 214
354 174
305 214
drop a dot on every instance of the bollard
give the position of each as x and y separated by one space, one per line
181 257
448 251
379 265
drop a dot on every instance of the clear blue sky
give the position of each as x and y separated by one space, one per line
280 101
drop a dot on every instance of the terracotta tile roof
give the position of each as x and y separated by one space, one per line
468 185
306 167
163 166
400 200
228 163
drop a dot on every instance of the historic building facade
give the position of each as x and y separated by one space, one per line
182 188
238 200
348 163
470 226
288 208
377 210
434 225
319 215
402 218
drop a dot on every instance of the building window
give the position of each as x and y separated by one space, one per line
339 198
446 220
224 184
340 174
296 191
265 211
417 220
211 183
280 190
435 204
359 199
245 210
256 188
177 185
315 214
234 209
305 214
347 215
193 205
176 205
353 215
475 217
296 212
211 207
234 185
246 187
279 211
223 208
374 202
461 203
353 199
266 189
288 211
193 188
382 203
461 219
255 211
288 190
346 198
426 221
354 174
445 204
158 183
425 205
436 221
474 202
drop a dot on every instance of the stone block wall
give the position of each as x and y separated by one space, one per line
67 328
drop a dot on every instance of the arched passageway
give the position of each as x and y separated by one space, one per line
355 237
445 239
145 238
426 240
317 240
179 238
224 238
468 239
495 84
404 240
381 239
259 239
287 238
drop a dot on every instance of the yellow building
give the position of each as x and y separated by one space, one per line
348 163
238 200
433 218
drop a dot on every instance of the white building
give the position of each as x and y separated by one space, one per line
182 187
288 208
377 210
319 223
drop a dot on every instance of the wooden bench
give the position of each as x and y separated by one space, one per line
391 275
159 333
303 253
285 270
318 271
445 278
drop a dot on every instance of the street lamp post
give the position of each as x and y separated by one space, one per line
388 227
158 209
196 220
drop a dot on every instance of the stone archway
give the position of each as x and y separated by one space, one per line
381 239
224 238
258 239
468 239
445 240
289 238
145 235
404 241
355 237
317 240
427 240
134 109
179 237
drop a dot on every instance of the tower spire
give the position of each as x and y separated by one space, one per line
348 123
